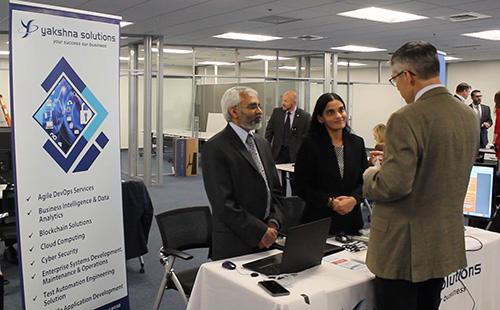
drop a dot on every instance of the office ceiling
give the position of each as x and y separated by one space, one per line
194 22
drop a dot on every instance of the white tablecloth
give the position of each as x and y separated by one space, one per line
335 286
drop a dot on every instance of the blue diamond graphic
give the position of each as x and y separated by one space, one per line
64 115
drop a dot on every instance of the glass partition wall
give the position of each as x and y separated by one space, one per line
193 80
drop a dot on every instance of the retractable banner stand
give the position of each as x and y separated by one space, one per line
65 98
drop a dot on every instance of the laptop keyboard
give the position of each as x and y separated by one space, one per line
270 270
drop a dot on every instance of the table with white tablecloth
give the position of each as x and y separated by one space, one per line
342 281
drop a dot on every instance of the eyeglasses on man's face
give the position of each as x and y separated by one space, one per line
392 80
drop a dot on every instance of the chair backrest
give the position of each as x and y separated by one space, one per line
186 228
293 209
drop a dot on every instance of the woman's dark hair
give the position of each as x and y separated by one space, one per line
497 100
316 128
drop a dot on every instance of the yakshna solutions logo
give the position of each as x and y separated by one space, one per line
71 116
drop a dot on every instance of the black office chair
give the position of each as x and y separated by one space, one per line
182 229
293 210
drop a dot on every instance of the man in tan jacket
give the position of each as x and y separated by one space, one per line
417 236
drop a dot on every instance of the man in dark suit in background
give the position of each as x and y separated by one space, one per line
462 91
240 179
483 115
284 131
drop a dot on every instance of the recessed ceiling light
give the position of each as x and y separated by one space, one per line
216 63
291 68
267 57
123 38
4 53
246 37
449 58
358 48
125 24
124 58
176 51
487 35
140 58
171 51
382 15
351 64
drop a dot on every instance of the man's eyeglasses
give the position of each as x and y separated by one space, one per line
392 80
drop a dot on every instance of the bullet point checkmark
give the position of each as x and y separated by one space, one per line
33 276
31 249
29 213
28 199
30 235
32 263
34 298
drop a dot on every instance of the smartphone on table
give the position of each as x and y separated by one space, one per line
273 288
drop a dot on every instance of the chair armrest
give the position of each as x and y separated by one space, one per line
176 253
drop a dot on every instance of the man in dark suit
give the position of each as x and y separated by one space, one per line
483 115
462 91
416 232
240 179
284 131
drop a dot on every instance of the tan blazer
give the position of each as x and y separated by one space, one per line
417 223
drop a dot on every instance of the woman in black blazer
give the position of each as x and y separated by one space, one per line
329 168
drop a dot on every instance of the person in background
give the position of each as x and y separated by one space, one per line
417 230
379 136
284 131
496 137
483 115
240 180
329 168
462 91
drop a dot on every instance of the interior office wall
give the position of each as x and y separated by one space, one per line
177 102
482 75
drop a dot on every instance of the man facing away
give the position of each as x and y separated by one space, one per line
416 234
462 91
284 131
240 180
483 115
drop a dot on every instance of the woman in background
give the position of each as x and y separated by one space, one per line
329 168
379 136
496 137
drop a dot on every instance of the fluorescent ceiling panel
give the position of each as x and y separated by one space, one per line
382 15
291 68
267 57
450 58
246 37
358 48
4 53
487 35
172 51
216 63
125 24
351 64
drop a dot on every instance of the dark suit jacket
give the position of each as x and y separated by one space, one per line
137 218
275 131
237 193
317 178
485 118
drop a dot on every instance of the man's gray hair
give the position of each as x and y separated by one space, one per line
232 98
419 57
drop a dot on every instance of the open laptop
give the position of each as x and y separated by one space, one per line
303 249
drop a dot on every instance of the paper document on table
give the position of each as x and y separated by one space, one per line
349 263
